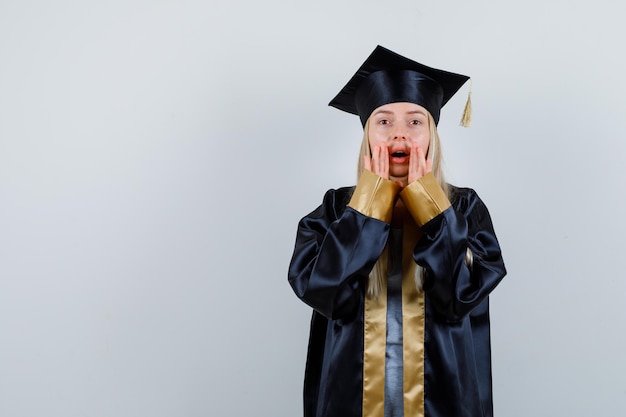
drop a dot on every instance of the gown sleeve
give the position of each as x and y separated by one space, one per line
336 248
454 285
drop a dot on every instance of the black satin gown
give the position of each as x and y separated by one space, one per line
336 248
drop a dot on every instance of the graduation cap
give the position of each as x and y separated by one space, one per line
386 77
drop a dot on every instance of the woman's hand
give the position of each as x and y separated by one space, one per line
418 164
378 163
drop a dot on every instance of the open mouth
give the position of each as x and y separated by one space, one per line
399 154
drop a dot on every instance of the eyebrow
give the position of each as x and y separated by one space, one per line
382 112
416 112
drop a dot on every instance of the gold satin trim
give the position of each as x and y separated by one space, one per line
375 336
424 199
413 320
374 196
375 343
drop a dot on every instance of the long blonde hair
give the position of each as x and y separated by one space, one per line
377 277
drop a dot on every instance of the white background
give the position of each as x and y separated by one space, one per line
156 156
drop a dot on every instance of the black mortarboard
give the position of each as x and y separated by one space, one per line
386 77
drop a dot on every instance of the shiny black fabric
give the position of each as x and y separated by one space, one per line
335 249
387 77
384 87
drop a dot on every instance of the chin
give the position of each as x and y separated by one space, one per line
399 175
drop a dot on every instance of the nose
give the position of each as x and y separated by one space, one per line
400 134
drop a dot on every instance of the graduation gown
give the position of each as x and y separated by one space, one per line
446 339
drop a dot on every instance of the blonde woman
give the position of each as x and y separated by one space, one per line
398 269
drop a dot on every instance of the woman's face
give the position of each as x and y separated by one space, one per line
398 126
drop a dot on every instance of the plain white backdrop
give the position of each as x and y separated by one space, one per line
156 156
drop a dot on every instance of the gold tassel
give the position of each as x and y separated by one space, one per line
466 119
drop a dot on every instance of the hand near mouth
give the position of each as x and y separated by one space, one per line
418 164
378 163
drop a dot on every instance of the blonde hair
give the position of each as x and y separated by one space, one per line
377 276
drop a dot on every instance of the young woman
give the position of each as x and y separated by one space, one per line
398 269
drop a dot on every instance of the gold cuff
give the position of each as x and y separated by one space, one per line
374 196
424 199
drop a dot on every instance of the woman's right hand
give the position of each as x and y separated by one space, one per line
378 163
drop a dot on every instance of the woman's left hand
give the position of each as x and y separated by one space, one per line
418 164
